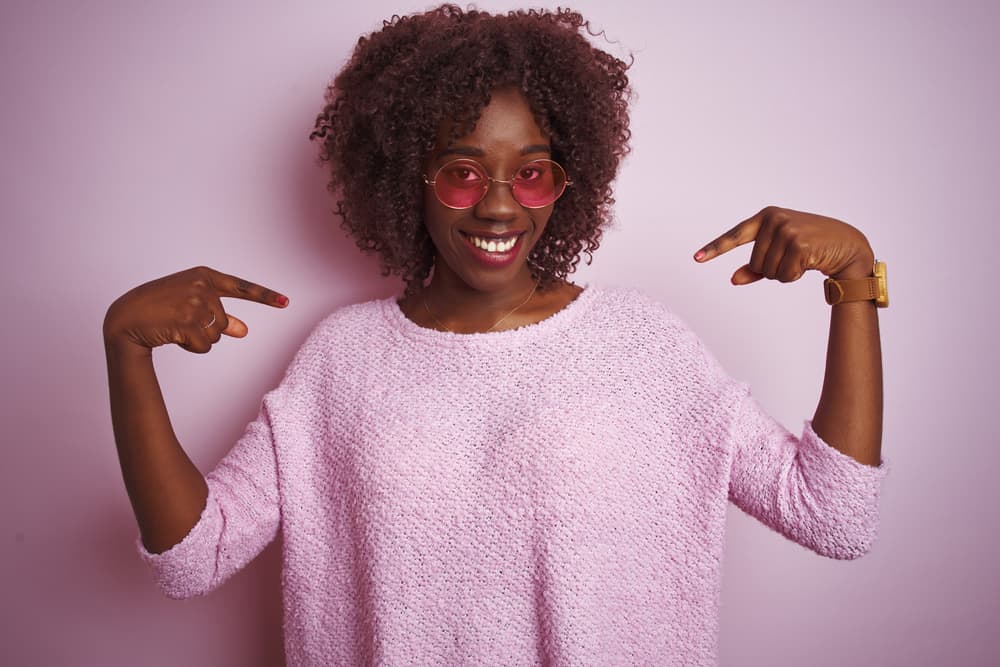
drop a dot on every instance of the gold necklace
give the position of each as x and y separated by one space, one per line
423 297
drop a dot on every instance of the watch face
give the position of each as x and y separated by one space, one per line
882 301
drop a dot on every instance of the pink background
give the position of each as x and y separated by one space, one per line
141 140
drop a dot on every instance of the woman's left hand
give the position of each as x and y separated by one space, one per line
788 243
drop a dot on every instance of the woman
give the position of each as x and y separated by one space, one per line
499 467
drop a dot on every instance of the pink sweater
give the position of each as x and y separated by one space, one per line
554 494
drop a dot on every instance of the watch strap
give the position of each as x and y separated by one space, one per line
872 288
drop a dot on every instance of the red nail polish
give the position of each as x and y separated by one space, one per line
282 300
698 255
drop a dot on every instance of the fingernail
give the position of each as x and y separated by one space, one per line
282 300
699 255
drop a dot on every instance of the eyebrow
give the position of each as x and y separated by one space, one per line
472 151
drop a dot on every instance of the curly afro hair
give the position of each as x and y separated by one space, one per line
384 109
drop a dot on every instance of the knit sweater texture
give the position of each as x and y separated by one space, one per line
549 495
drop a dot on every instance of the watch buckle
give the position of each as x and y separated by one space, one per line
834 292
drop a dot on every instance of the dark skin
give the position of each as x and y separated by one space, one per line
463 295
788 243
166 489
168 492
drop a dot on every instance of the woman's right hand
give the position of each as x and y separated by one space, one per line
183 308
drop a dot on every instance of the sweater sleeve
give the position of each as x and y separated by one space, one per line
240 518
803 488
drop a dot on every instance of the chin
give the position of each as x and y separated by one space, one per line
491 281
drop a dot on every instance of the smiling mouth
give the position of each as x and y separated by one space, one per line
493 244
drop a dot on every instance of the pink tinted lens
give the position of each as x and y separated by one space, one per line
539 183
460 184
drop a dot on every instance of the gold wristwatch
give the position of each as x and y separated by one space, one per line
872 288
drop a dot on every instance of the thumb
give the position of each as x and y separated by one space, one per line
236 328
744 276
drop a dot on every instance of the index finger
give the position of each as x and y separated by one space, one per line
239 288
743 233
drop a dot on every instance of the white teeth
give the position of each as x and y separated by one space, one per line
492 245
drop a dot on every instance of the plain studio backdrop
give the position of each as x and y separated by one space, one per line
139 139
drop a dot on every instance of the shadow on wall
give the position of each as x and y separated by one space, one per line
320 234
328 260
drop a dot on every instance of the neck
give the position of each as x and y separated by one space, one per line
462 308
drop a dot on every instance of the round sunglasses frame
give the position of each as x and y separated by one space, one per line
488 180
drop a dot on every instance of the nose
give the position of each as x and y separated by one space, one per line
498 203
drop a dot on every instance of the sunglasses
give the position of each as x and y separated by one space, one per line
463 183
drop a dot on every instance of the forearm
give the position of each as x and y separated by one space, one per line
849 413
167 491
786 244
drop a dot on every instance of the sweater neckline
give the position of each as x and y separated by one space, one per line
555 322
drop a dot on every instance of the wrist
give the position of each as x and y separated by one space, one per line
862 267
124 349
866 286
